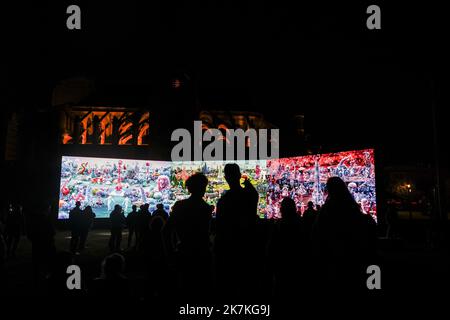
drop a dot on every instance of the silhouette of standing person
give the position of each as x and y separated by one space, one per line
189 223
308 219
87 220
76 226
117 220
41 233
131 225
13 229
287 251
235 234
160 212
157 260
392 220
142 225
342 238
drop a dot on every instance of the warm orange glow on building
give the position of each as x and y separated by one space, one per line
104 126
143 132
124 140
66 138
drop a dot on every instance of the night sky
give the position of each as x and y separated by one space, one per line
356 87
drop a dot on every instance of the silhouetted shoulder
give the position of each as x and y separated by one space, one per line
177 207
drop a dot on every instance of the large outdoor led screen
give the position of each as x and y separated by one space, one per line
103 183
304 179
253 170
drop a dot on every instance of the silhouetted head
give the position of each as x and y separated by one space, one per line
310 205
117 208
288 209
160 206
113 265
88 209
339 193
232 174
318 207
156 224
336 187
134 207
78 204
196 184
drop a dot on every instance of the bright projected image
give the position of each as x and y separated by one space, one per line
304 179
102 182
254 170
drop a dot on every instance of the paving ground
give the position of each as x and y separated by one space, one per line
407 265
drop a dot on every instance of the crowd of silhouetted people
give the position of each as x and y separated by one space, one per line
189 254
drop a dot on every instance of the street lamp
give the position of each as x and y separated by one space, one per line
409 200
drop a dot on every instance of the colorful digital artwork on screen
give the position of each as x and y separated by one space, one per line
304 179
102 182
254 170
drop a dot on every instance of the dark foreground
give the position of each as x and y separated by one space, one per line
408 268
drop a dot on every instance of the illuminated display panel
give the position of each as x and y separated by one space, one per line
103 182
304 179
254 170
